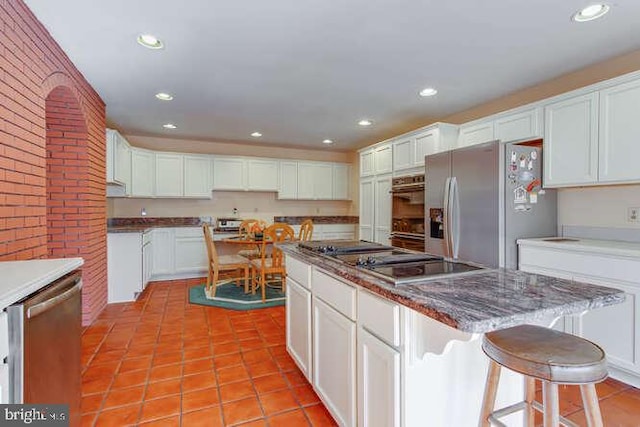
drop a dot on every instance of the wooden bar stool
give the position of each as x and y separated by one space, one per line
548 355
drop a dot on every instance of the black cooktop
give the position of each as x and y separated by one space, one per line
334 247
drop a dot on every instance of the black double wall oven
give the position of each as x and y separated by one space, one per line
407 212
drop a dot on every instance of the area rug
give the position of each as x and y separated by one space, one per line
231 296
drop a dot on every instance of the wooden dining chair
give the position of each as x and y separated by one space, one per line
222 264
245 231
270 268
306 230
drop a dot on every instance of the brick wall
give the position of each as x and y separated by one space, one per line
52 155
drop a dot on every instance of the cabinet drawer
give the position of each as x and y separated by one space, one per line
4 335
189 232
334 292
299 271
380 317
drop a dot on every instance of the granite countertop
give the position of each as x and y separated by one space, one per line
611 247
318 219
478 302
140 225
22 278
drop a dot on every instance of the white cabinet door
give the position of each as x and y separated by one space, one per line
298 310
198 179
122 166
169 175
403 153
323 181
367 205
111 136
190 252
382 209
142 173
367 164
124 266
571 141
147 263
229 173
163 251
384 159
378 382
288 183
306 181
614 328
475 134
619 142
4 383
519 126
341 181
315 181
262 175
334 362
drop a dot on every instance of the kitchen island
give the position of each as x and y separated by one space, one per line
410 355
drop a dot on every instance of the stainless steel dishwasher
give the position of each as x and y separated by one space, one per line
44 346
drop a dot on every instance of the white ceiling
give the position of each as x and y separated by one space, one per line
302 71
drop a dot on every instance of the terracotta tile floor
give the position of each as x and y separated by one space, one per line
164 362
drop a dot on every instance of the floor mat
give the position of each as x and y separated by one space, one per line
231 296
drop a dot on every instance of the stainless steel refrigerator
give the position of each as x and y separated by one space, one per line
479 200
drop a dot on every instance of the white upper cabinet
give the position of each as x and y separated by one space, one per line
475 133
169 175
434 139
142 173
570 141
403 153
288 182
519 126
229 173
262 175
383 159
340 181
198 178
619 142
315 181
118 164
367 165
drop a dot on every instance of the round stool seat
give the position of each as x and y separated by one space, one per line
546 354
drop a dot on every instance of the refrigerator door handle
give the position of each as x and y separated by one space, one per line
445 219
455 218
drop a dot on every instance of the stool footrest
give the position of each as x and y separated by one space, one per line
521 406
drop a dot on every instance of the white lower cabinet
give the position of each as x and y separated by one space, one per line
614 328
124 266
4 353
190 251
163 251
378 382
299 326
334 361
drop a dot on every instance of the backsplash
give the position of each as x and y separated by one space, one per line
602 233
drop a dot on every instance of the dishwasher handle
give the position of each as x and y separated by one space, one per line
52 302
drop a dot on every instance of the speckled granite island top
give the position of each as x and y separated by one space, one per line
479 302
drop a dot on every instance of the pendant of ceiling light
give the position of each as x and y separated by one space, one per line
365 122
327 141
591 12
256 134
428 91
170 126
150 41
162 96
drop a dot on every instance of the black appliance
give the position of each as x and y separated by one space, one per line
395 265
407 212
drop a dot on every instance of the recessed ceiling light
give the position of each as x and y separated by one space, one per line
365 122
150 41
327 141
428 91
170 126
164 96
256 134
590 13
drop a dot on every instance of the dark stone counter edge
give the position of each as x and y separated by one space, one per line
393 293
335 219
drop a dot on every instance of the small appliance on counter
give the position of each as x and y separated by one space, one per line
228 225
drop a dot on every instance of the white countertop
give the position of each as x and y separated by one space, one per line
19 279
610 247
